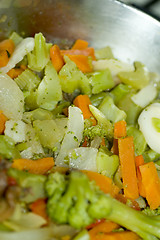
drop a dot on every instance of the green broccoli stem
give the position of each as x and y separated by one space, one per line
145 226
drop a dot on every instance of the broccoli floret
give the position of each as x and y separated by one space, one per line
79 202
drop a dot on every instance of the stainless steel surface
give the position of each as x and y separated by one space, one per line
132 34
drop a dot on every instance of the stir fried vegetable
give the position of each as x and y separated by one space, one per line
79 144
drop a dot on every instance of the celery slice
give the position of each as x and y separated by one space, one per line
72 78
27 80
96 99
137 79
101 81
139 140
130 108
39 58
119 92
16 38
31 100
49 90
107 165
111 111
7 148
104 53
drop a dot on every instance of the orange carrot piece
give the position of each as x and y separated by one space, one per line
82 62
97 222
3 58
103 142
120 129
121 235
101 229
15 72
83 102
105 183
39 166
39 207
87 52
114 148
128 168
80 44
139 160
3 120
7 45
151 183
56 57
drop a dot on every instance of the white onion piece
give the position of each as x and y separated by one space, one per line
11 98
34 234
152 137
73 135
115 66
22 49
83 158
15 130
140 98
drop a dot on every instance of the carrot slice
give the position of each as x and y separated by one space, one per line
86 52
39 166
83 102
114 148
128 168
151 184
121 235
82 62
3 58
56 57
120 129
39 207
139 160
3 120
7 45
15 72
101 229
80 44
105 183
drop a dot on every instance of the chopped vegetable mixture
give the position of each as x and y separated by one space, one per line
79 143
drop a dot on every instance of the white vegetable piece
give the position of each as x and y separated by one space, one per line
15 130
150 133
73 135
22 49
83 158
145 96
11 98
115 66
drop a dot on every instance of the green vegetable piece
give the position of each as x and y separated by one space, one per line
80 202
49 133
151 156
7 148
37 114
60 106
119 92
39 58
49 91
156 124
72 78
32 185
131 109
27 80
137 79
104 53
107 165
101 81
96 99
16 38
31 100
111 111
139 140
83 235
